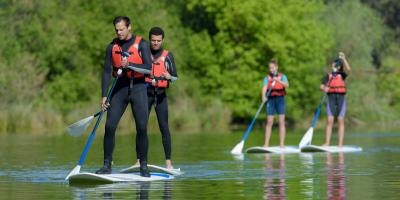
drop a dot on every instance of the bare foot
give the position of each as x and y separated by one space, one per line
168 164
325 145
137 163
266 145
282 146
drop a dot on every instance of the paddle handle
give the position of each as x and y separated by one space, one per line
90 139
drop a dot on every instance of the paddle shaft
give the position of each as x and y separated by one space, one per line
100 114
319 107
258 112
318 111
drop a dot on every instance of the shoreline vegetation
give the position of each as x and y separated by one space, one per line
52 54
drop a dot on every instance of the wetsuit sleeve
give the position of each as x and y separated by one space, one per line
107 70
144 51
171 67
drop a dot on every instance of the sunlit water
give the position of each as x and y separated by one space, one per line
34 167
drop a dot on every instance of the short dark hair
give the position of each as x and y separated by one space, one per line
122 18
156 31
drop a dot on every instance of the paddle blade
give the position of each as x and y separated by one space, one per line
76 170
78 128
307 138
237 150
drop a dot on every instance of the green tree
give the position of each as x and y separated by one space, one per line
231 60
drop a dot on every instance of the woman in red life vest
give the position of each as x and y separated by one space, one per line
334 85
276 101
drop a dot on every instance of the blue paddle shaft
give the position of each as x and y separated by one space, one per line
89 142
255 117
318 111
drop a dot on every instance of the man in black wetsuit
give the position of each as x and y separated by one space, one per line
131 53
163 72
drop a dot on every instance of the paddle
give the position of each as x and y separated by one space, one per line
78 128
77 168
238 148
307 138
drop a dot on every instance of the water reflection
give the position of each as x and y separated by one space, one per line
275 186
307 183
336 178
138 190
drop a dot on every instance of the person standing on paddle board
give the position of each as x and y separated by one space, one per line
334 85
163 72
276 101
132 53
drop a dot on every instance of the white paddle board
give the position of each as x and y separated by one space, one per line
92 178
331 149
153 168
276 149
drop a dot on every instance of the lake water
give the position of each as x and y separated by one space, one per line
34 167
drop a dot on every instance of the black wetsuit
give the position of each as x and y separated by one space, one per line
159 97
126 91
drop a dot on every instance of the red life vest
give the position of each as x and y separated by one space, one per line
158 67
278 89
134 58
336 84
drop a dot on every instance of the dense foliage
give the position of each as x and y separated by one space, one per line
52 52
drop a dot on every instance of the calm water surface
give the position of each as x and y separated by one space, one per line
34 167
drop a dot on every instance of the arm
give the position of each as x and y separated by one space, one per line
264 90
345 63
263 93
170 64
145 53
284 81
106 76
107 70
323 87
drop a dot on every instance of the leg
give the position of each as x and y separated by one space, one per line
328 131
329 123
270 119
341 115
282 127
118 104
282 131
268 128
150 101
341 130
139 105
162 117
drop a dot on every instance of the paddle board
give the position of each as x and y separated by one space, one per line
153 168
92 178
276 149
331 149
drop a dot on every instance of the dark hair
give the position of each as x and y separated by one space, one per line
122 18
338 63
273 61
156 31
